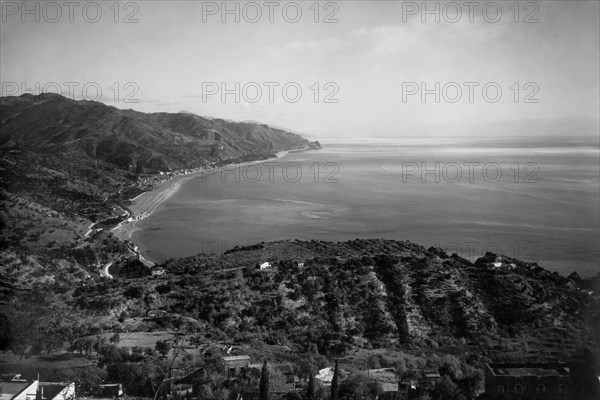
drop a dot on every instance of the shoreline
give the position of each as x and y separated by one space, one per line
145 204
141 207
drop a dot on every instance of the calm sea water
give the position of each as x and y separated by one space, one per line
531 201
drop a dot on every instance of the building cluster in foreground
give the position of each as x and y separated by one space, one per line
13 387
547 381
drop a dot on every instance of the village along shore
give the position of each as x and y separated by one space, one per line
145 204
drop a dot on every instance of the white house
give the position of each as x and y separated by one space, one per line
325 375
158 271
265 265
497 262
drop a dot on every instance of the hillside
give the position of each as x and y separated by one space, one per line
130 140
365 293
67 164
368 303
83 157
381 292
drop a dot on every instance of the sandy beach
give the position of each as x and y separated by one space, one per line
148 202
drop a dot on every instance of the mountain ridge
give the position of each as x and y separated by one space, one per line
132 140
67 164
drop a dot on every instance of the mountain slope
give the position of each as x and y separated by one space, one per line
131 140
382 292
66 164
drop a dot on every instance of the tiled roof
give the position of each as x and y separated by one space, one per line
236 358
516 369
389 386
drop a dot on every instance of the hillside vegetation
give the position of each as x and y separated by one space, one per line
379 293
368 303
67 164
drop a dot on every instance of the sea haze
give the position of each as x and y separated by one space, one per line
547 213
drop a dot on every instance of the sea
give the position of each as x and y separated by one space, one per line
531 200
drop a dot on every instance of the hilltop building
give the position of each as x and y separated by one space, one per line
158 271
265 265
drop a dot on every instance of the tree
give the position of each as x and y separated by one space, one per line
5 332
87 379
583 374
311 388
115 338
335 382
166 368
110 354
163 347
197 340
313 350
446 389
358 386
264 382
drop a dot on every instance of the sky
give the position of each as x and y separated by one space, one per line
324 69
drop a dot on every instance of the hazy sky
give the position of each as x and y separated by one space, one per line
373 60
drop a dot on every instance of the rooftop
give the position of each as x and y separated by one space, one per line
431 375
517 369
389 386
384 375
8 390
50 390
236 358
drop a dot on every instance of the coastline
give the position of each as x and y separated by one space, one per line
142 207
145 204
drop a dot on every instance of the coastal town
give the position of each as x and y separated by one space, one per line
299 200
373 318
502 380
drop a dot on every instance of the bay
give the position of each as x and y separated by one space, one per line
530 200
